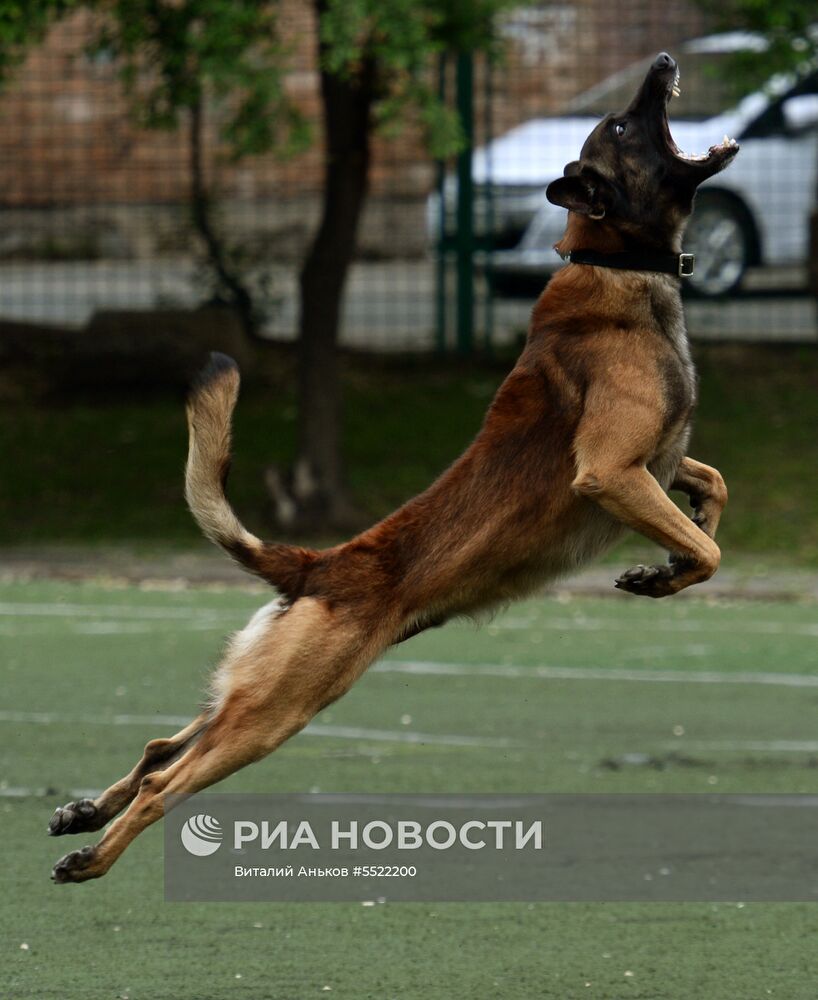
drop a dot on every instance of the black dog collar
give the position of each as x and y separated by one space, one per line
680 264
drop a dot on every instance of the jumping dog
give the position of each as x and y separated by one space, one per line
582 441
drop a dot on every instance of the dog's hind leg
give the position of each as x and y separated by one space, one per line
306 659
86 815
239 739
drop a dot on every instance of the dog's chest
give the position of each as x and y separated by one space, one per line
666 315
678 378
676 366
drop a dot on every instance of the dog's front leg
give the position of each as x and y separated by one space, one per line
617 436
634 497
705 488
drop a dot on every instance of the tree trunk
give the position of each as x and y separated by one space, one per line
230 282
317 492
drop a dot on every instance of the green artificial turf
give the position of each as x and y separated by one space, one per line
86 668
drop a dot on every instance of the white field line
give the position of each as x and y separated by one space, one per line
582 624
144 611
116 628
24 792
409 736
507 671
317 729
111 627
579 624
761 746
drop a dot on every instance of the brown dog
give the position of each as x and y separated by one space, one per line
582 440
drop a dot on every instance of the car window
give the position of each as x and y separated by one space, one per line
706 89
772 121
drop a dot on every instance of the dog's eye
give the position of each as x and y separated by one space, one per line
619 128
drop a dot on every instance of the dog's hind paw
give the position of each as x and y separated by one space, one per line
75 817
649 581
78 866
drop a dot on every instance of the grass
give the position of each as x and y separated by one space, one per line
110 471
83 652
757 420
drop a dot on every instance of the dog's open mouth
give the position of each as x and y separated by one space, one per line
722 151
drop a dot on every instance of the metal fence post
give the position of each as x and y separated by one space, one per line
464 237
441 262
488 202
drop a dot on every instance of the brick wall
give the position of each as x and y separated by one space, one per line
67 141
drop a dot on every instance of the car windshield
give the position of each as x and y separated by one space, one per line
706 89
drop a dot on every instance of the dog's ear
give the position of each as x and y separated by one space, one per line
581 190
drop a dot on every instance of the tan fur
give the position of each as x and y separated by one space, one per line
209 414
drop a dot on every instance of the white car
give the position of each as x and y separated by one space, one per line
754 213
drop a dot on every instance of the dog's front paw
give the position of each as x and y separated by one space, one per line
78 866
649 581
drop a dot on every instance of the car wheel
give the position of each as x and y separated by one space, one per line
720 235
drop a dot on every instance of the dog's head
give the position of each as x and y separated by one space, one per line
630 171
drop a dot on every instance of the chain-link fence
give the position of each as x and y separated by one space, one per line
95 207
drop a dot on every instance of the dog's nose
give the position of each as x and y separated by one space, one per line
664 61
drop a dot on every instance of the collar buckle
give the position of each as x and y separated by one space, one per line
687 262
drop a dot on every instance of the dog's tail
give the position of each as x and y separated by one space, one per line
209 413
